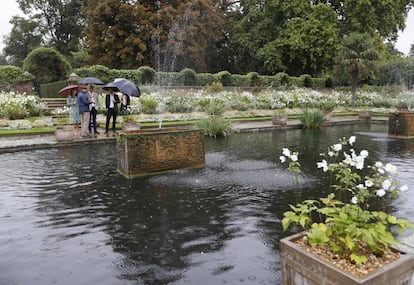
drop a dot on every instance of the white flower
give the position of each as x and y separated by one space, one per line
380 192
378 164
360 186
364 153
390 168
404 188
369 183
337 147
286 152
352 140
348 159
323 164
386 184
354 200
294 157
331 153
282 158
381 171
359 162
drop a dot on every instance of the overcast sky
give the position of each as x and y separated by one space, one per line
9 8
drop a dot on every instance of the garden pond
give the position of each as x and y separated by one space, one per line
68 217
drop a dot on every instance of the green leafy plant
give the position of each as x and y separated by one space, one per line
343 221
129 118
312 118
216 126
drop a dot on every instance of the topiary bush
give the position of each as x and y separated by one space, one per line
47 65
253 79
147 74
307 80
189 77
224 77
282 78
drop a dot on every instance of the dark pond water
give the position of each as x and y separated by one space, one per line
67 217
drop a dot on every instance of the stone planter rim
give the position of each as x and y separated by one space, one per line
289 242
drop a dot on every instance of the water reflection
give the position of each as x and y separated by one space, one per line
67 217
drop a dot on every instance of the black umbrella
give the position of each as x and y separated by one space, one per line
112 86
127 87
90 80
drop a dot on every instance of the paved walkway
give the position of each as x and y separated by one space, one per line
27 142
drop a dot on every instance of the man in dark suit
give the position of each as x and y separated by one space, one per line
111 104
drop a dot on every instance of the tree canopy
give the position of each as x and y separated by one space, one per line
265 36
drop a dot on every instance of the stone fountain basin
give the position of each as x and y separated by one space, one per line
157 150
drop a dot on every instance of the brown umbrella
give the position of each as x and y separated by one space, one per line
65 91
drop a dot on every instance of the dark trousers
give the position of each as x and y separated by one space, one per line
110 113
92 122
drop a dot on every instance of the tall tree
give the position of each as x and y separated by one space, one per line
276 35
61 21
358 55
168 35
23 38
117 33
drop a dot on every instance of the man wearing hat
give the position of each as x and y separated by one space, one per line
84 111
111 104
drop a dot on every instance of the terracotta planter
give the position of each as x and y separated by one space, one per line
64 133
302 267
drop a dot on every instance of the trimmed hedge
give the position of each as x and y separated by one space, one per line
146 75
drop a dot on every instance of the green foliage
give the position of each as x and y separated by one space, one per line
224 77
148 104
358 56
307 80
189 77
347 226
214 87
147 74
312 118
253 79
47 64
215 108
50 90
282 78
179 105
216 126
8 76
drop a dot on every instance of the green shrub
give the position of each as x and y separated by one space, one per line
147 74
179 105
148 104
215 108
253 79
204 79
307 80
214 87
188 77
47 64
224 77
282 78
216 126
328 81
239 80
312 118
